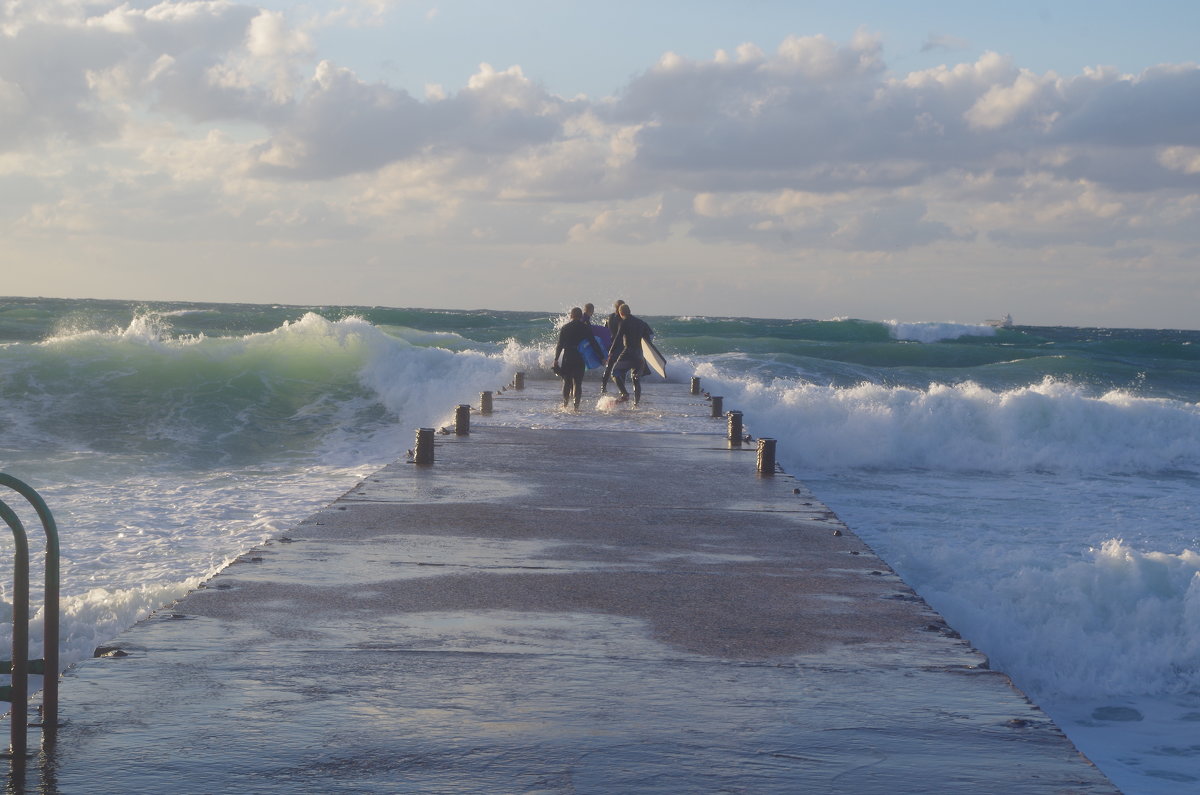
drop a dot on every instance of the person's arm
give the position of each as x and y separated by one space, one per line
561 344
618 343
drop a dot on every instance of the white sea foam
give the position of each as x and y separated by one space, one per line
1051 425
94 618
1116 621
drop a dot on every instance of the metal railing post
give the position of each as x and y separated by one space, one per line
50 608
19 690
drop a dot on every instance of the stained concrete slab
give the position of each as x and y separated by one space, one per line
557 611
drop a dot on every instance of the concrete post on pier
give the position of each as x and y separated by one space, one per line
423 452
717 402
485 403
766 456
735 428
519 381
462 420
695 385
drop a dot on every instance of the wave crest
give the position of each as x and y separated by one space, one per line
1050 426
309 385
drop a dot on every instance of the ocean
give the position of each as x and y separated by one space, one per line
1038 486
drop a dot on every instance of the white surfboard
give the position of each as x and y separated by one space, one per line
653 358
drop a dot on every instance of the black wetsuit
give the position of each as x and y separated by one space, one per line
611 324
572 364
625 355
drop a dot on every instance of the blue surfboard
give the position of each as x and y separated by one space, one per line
590 358
603 336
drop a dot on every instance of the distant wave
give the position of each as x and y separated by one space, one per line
449 340
189 312
936 332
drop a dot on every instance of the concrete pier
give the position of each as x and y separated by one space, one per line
557 611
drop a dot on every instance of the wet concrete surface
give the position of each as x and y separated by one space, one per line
556 611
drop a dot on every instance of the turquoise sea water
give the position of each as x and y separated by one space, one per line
1038 485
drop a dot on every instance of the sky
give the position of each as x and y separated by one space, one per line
940 161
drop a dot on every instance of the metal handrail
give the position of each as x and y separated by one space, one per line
21 665
20 635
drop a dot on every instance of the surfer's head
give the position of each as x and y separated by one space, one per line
589 309
617 306
576 313
623 309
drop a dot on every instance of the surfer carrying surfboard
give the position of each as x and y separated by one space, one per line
625 355
571 337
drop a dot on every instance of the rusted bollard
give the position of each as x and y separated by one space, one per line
423 452
695 385
735 428
766 456
519 381
462 420
717 400
485 402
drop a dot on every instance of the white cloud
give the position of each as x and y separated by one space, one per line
1184 159
193 118
990 69
634 224
1002 105
819 58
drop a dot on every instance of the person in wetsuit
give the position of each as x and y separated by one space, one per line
625 355
611 324
614 319
572 365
